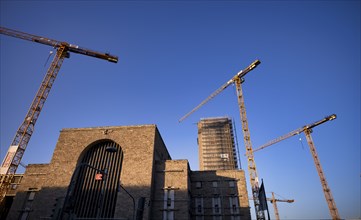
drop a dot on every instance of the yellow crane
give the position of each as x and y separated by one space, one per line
22 136
307 129
238 80
274 201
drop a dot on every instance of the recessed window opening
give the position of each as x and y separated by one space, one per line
94 188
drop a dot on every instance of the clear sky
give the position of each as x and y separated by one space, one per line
172 55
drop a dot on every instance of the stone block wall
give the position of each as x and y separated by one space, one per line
168 186
137 144
172 176
32 182
222 184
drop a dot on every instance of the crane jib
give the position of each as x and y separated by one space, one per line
56 44
296 132
239 75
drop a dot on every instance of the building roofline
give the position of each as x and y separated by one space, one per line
216 118
107 127
161 138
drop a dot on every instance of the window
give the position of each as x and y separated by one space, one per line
233 203
216 208
168 215
31 196
232 184
215 184
168 198
85 179
24 215
168 208
28 203
198 185
216 204
199 209
199 205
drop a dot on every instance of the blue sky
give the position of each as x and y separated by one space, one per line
173 54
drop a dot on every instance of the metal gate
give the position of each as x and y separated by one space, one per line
95 182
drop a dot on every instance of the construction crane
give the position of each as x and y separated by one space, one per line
238 80
17 148
274 201
307 129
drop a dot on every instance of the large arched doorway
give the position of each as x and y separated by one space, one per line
95 182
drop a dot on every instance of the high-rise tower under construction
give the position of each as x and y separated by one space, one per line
216 144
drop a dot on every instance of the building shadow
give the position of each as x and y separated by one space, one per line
176 193
125 172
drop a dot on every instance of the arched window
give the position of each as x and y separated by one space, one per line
93 190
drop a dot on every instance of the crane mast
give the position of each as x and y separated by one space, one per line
274 201
22 136
307 129
326 189
26 129
238 80
252 170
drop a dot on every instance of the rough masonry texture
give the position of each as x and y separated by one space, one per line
150 185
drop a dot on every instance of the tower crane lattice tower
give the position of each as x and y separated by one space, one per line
22 136
274 201
238 80
307 129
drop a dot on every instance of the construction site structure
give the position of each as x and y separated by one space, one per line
217 149
307 129
274 201
238 80
22 136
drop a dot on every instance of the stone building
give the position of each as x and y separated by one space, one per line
216 144
125 172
